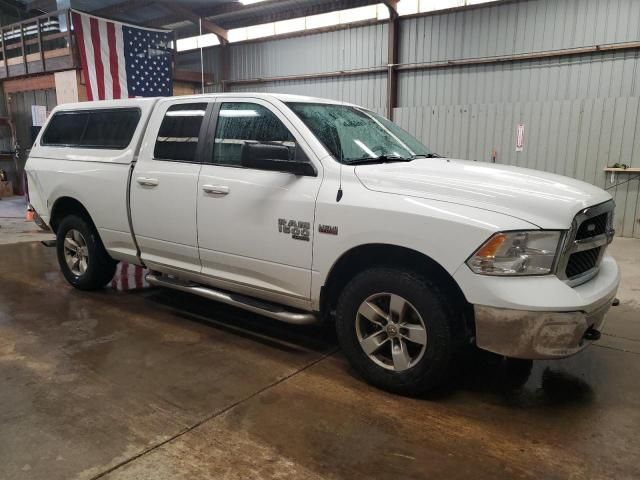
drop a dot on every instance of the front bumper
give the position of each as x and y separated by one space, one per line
538 317
38 220
536 335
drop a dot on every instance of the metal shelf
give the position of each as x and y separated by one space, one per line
622 170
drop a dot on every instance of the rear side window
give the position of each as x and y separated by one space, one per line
106 129
65 129
179 132
110 129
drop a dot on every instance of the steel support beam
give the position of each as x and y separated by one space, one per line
224 67
392 62
207 25
392 5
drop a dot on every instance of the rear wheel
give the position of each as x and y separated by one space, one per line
83 260
393 327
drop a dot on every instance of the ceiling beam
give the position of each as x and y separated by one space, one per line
281 10
201 13
193 17
392 5
122 7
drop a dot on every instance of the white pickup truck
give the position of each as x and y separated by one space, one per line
306 210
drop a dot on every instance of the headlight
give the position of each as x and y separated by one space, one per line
517 253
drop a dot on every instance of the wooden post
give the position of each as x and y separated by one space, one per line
4 54
39 27
72 52
24 50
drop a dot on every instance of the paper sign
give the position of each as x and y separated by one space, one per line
520 137
38 115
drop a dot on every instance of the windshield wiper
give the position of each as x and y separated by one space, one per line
378 159
426 155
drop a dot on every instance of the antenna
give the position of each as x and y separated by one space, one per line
340 193
201 56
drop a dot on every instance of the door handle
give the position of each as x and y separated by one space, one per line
216 189
148 182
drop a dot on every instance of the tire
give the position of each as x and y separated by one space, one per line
95 268
429 363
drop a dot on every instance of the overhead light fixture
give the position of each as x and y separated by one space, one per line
249 2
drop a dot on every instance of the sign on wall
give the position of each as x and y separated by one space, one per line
520 137
38 115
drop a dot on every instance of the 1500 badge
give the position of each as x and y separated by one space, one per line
297 229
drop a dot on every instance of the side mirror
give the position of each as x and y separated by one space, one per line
276 158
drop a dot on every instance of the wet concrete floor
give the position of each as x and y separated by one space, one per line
162 385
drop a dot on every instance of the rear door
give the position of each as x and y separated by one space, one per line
255 227
164 185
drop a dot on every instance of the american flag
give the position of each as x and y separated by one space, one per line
123 61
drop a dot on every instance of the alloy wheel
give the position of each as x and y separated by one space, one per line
76 252
391 332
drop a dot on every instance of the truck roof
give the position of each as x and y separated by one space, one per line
132 102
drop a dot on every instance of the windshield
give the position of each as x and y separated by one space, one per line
353 135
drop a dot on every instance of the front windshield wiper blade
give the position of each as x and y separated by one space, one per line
378 159
426 155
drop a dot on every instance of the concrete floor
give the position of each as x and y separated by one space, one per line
161 385
14 228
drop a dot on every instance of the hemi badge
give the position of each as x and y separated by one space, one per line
329 229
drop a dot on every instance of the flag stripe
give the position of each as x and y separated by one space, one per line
122 69
97 56
105 59
92 91
77 24
125 276
113 60
138 277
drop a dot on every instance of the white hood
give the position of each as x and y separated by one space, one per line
547 200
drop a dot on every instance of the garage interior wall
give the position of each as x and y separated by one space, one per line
19 108
580 111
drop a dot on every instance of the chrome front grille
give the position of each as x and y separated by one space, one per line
585 243
581 262
593 227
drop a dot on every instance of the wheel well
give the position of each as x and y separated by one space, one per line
366 256
65 206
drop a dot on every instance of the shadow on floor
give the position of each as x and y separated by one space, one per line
511 382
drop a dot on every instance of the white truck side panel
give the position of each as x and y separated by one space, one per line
364 217
91 185
97 178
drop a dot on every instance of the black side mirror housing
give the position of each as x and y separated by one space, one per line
275 157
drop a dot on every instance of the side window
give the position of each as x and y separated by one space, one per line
65 129
110 130
241 123
106 129
179 132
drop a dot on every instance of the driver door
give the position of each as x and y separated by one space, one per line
255 226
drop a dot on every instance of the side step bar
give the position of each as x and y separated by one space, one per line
250 304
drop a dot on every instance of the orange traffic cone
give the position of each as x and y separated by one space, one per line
29 215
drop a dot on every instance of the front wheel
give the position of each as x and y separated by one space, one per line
393 327
83 260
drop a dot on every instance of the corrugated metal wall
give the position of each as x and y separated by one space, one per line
580 112
347 49
369 90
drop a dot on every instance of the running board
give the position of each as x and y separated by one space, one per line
246 303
